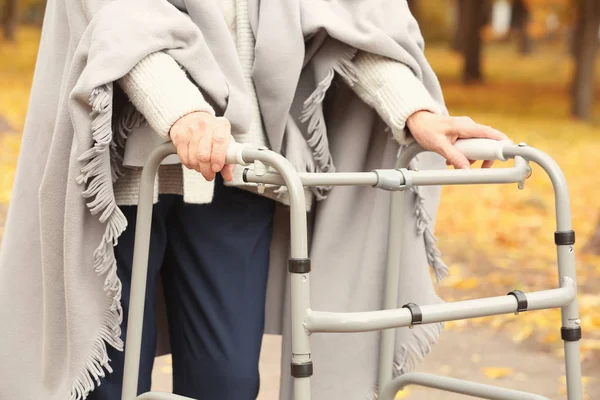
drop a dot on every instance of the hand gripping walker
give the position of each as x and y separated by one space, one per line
306 321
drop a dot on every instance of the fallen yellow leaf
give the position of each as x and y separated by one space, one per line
468 283
497 372
523 333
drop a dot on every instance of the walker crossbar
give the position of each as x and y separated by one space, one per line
455 386
306 321
320 321
400 179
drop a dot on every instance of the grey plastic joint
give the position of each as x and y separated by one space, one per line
522 302
390 179
299 265
570 334
303 370
416 313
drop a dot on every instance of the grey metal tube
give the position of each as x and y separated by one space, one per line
299 243
392 277
565 257
455 386
320 321
561 191
300 283
416 178
318 179
408 154
133 342
471 176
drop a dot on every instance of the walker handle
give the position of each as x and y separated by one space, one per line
482 149
235 153
473 149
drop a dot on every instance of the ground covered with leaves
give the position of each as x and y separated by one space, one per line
498 238
495 238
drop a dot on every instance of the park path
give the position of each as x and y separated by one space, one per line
476 354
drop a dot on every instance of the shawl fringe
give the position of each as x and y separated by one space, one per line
424 227
98 174
413 351
129 119
312 114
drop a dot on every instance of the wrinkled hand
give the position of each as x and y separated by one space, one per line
201 140
438 133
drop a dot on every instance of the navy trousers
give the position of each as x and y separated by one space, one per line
213 262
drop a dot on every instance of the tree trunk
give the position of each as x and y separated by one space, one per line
586 47
519 19
9 19
414 8
593 244
459 31
473 12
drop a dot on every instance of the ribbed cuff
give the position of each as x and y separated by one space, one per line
393 90
159 88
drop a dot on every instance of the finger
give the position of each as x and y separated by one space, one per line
455 157
203 154
470 162
474 130
227 172
220 142
183 151
487 164
194 142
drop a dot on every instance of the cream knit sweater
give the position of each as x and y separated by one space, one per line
162 93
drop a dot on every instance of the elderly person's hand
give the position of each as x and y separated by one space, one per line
438 133
201 140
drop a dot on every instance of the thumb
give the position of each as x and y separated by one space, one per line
227 172
455 157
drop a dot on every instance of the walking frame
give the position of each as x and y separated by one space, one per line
306 321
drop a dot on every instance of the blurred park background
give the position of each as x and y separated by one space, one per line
527 67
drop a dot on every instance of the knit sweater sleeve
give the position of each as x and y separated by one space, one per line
393 90
161 91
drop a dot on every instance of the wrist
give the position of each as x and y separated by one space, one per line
417 116
198 117
160 89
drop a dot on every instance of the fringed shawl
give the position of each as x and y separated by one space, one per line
59 292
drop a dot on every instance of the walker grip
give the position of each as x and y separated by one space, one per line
482 149
235 153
